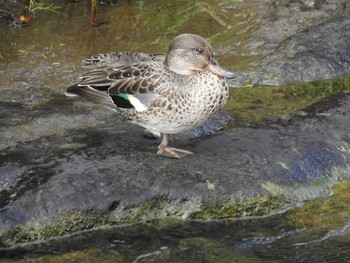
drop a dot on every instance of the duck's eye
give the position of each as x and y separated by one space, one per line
198 50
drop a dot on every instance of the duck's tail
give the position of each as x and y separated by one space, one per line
120 101
91 94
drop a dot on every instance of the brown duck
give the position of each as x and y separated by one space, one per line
169 93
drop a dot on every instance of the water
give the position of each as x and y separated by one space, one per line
37 64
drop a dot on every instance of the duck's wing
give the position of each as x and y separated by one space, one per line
121 86
120 59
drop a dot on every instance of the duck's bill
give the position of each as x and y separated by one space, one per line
218 70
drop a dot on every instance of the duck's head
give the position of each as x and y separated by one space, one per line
189 53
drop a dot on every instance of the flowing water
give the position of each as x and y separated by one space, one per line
38 62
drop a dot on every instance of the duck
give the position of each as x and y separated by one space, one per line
164 93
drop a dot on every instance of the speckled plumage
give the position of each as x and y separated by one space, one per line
169 93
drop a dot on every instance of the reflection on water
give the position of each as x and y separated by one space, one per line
37 63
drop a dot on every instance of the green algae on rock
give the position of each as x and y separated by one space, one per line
239 207
68 223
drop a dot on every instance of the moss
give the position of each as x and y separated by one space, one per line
326 212
74 221
237 208
69 222
14 236
255 104
88 255
157 208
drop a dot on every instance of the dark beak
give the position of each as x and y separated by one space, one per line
218 70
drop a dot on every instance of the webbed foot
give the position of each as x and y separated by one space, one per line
172 152
166 151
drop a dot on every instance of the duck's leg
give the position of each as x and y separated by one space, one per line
166 151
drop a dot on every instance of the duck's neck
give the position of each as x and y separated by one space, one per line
176 67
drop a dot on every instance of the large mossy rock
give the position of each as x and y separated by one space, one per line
68 166
252 170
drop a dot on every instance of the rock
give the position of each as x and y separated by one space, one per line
319 53
298 41
68 166
261 168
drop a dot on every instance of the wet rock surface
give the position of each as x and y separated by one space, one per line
60 155
295 157
299 41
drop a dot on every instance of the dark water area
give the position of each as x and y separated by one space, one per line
37 64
